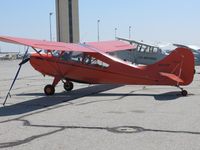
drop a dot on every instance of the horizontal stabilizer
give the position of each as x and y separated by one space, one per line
172 77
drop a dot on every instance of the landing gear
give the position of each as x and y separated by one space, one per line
183 92
68 85
49 89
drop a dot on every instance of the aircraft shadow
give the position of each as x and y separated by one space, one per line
43 102
158 97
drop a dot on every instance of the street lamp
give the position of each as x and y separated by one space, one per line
115 33
98 21
129 32
50 14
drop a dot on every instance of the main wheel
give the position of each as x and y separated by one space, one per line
49 89
184 93
68 86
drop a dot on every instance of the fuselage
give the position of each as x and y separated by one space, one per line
96 68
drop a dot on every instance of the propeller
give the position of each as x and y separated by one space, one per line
25 59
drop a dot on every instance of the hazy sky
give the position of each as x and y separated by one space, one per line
150 20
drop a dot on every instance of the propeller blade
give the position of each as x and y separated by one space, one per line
24 60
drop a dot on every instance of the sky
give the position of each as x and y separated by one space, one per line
152 21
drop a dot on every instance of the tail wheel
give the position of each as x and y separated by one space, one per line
184 93
49 89
68 86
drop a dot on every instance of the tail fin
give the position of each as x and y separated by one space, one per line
178 66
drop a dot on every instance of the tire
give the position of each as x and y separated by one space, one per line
184 93
68 86
49 89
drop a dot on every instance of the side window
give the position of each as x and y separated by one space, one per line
155 50
56 53
151 49
71 56
83 58
142 48
87 59
99 63
66 56
147 50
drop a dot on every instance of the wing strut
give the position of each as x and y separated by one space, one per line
24 60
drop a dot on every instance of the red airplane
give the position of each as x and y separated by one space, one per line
91 63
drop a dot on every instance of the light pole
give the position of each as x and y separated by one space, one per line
50 14
98 21
129 32
115 33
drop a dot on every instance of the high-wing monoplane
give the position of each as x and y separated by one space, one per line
143 53
91 63
149 54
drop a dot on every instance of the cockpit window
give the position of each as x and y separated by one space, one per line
66 56
56 53
148 49
83 58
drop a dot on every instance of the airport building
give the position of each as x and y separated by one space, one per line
67 21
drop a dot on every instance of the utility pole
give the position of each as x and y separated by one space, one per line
98 21
115 33
50 14
129 32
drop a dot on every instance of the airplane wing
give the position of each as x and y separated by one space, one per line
46 45
110 46
180 45
172 77
106 46
193 48
137 42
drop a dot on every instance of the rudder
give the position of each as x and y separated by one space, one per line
179 63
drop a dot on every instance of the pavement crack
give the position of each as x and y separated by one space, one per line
27 140
137 129
60 128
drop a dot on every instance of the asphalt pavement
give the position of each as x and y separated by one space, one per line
96 117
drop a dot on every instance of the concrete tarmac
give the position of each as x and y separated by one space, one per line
96 117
